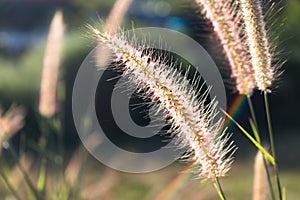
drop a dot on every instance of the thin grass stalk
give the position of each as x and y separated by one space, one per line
272 143
9 185
48 151
43 141
284 194
269 179
258 145
255 131
253 140
25 174
15 175
42 176
252 112
219 189
257 136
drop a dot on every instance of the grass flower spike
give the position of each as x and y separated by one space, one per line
47 104
114 20
258 43
225 21
191 119
10 122
260 182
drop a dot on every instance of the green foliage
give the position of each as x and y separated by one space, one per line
20 77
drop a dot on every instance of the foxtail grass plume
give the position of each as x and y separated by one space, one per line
10 122
260 182
191 119
51 62
112 23
116 15
226 21
258 42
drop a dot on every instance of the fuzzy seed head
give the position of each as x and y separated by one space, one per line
51 62
258 43
225 21
192 120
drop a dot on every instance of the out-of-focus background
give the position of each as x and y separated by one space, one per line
24 27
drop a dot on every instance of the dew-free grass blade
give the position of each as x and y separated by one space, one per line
262 149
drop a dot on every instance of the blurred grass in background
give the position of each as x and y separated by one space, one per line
20 74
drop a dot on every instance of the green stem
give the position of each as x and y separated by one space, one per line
219 189
252 112
258 145
269 124
272 143
264 159
283 193
269 178
42 176
257 136
278 181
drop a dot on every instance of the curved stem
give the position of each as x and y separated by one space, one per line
253 140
